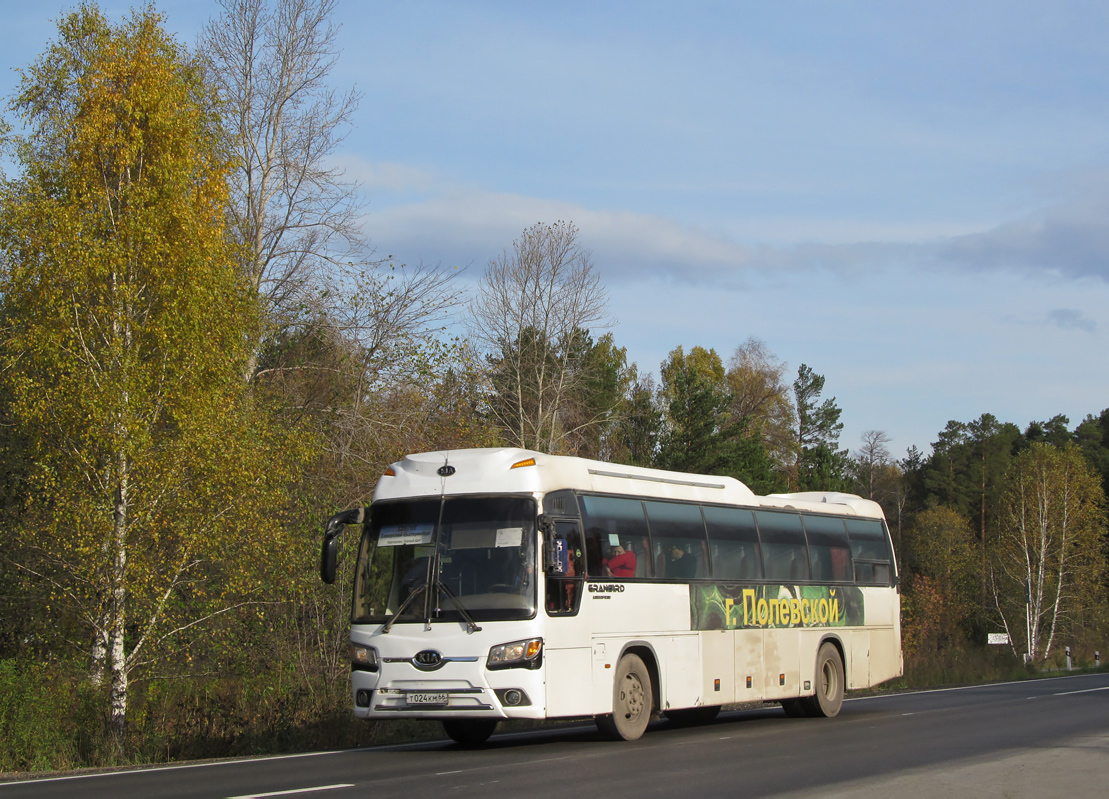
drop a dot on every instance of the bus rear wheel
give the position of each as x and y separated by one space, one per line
469 732
632 701
828 698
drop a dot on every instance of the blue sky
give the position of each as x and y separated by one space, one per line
912 199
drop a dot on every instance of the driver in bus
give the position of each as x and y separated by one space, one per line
620 562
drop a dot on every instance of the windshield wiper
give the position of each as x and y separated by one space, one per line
403 606
465 613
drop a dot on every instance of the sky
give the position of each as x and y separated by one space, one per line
910 198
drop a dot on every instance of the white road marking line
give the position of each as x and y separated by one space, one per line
1086 691
965 687
293 791
213 764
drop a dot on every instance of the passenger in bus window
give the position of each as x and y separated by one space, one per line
620 562
680 565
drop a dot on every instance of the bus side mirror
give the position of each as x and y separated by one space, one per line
330 553
556 551
328 559
547 528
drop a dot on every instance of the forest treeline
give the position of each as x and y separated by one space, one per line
201 360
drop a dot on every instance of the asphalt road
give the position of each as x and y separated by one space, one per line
1029 739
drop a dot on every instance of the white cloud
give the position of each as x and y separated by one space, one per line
429 219
483 223
1069 239
457 223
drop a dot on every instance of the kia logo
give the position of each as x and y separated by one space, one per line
427 660
445 471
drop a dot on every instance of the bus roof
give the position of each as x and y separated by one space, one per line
515 471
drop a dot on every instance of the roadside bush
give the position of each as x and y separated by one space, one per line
37 723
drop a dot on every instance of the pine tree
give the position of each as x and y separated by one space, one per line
821 464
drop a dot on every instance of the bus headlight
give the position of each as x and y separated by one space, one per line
517 655
363 658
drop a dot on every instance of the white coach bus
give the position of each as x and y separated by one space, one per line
529 586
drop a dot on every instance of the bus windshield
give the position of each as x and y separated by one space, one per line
457 559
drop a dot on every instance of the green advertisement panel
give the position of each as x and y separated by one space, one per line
741 607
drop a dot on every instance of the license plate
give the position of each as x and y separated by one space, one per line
427 699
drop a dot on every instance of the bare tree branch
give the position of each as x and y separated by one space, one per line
296 215
532 318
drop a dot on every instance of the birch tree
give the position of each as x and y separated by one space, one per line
760 394
1048 557
298 216
122 351
533 313
877 476
293 210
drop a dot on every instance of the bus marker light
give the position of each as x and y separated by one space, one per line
716 685
518 464
748 681
781 679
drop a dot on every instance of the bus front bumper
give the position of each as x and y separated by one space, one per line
469 691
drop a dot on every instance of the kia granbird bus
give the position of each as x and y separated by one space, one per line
499 584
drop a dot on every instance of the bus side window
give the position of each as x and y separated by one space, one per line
828 549
870 551
783 546
678 536
614 525
735 543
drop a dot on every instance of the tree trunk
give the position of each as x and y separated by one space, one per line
982 533
118 616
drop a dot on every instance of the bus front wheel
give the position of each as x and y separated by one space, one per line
828 698
469 732
632 701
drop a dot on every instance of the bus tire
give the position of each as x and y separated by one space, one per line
632 701
469 732
828 699
691 716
